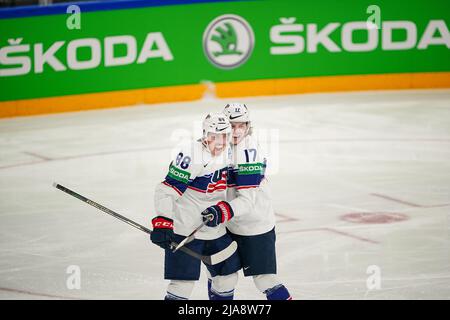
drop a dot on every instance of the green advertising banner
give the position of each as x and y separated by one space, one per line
87 52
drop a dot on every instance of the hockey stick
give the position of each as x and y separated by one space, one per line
210 260
190 237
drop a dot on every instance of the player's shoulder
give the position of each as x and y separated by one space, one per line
249 142
192 149
188 156
248 150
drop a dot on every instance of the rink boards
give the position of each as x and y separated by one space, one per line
101 55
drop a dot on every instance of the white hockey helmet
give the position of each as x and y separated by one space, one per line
237 112
217 123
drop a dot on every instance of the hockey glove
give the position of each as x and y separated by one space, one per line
162 234
218 214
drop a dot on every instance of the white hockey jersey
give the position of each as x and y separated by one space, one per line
248 192
196 180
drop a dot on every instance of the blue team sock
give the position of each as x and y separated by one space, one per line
171 296
278 292
219 296
222 296
210 294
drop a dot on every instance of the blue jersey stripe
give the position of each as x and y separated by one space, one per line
248 179
176 184
200 183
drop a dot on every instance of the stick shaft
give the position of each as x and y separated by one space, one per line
102 208
188 251
191 237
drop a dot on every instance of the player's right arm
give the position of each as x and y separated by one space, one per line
181 171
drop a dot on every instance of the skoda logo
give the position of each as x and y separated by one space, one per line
228 41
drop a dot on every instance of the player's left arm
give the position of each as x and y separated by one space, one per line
247 176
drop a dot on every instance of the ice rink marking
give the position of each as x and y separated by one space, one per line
37 294
332 230
45 159
408 203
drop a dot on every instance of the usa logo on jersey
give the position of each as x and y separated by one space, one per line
218 181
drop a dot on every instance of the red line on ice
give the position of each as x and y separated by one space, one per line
342 233
22 164
38 156
408 203
351 235
285 218
46 159
30 293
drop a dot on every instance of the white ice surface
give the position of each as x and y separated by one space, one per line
335 154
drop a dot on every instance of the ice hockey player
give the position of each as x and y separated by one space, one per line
253 224
197 179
